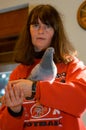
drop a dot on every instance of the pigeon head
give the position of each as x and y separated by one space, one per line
47 59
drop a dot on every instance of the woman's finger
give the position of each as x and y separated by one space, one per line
8 101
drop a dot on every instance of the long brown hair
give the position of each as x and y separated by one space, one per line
63 48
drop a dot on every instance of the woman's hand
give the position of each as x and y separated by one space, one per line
15 92
24 84
13 98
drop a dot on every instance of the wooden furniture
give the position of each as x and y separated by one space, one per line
12 21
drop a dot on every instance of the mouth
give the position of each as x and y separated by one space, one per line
40 38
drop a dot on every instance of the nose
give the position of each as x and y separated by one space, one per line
41 29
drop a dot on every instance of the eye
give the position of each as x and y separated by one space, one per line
48 25
35 26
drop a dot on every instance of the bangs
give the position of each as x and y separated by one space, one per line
45 14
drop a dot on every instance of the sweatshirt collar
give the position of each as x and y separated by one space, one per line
38 55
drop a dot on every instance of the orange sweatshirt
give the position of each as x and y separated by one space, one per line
57 106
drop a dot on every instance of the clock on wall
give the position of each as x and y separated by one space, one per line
81 15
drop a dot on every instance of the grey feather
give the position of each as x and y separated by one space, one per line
46 70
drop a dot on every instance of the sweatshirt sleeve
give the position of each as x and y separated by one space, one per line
70 96
8 122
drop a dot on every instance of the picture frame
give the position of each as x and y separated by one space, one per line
81 15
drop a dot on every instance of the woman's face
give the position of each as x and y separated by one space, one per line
41 35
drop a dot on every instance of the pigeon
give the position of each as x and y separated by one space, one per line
46 70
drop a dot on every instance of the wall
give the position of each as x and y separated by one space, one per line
68 9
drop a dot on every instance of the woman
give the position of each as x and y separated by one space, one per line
56 106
